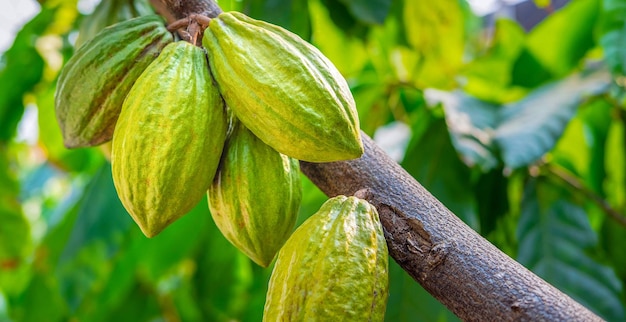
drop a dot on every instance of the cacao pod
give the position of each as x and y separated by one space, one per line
169 138
334 267
255 196
110 12
283 89
94 82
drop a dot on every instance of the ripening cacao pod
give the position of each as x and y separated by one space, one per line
110 12
255 196
283 89
334 267
94 82
169 138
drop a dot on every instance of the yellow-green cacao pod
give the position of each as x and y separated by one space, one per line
110 12
168 139
94 82
283 89
334 267
255 196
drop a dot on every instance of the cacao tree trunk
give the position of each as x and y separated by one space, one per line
465 272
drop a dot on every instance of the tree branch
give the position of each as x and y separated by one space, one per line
457 266
465 272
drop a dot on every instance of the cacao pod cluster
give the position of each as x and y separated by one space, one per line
229 116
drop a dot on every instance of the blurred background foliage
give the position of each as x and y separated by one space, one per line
515 120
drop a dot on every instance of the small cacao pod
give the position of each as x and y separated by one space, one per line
110 12
169 138
283 89
255 196
94 82
334 267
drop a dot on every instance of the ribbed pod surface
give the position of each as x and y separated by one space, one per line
169 138
94 82
255 197
283 89
334 267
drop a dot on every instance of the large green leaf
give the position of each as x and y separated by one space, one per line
530 127
432 160
569 35
556 241
613 38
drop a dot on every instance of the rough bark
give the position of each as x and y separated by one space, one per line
469 275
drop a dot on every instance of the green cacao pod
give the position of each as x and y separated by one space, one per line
255 196
169 138
110 12
334 267
94 82
283 89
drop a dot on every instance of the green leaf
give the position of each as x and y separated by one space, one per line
432 160
436 30
42 294
289 14
224 278
556 241
96 237
368 11
151 262
528 72
101 216
489 76
408 301
613 35
345 51
471 123
614 44
613 239
569 34
492 199
531 127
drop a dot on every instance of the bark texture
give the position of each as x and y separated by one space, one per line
474 279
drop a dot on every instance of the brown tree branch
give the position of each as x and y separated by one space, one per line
461 269
465 272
